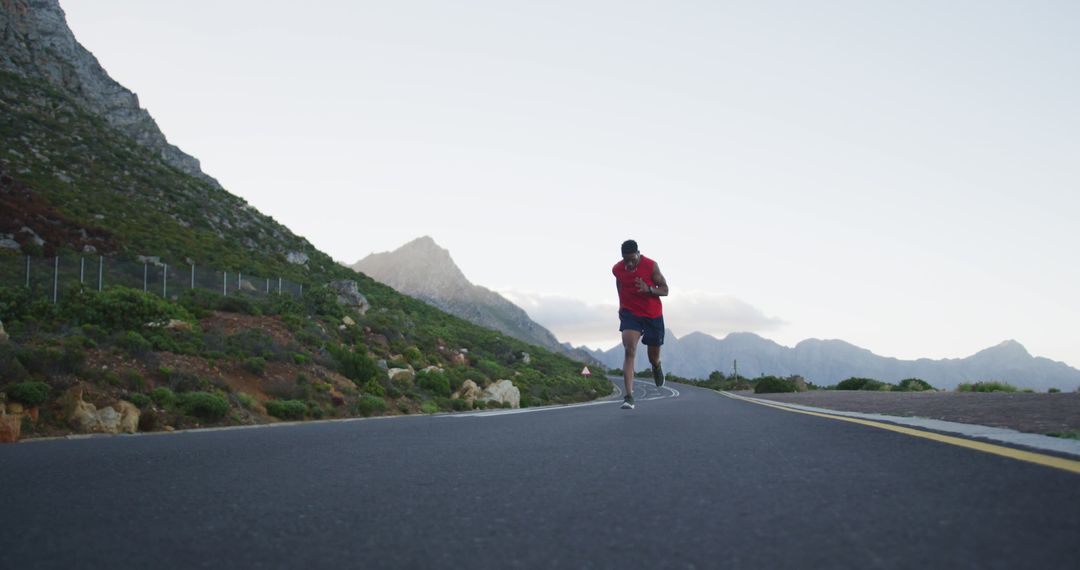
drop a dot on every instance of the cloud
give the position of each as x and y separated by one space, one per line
597 325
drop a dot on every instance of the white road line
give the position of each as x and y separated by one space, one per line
674 394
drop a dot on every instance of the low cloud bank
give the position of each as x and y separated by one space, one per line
597 324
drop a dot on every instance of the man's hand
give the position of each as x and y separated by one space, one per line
642 286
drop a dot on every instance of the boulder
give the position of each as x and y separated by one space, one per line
502 392
3 334
296 257
432 370
401 374
10 428
469 391
129 416
800 382
348 321
84 417
525 358
349 295
457 358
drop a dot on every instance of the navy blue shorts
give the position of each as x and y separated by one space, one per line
652 330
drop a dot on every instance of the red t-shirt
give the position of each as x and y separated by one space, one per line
641 304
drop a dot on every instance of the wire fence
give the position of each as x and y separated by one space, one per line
52 277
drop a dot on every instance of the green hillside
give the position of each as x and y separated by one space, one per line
80 186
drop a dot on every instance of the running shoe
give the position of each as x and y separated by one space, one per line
658 375
628 403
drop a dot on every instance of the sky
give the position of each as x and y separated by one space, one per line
900 175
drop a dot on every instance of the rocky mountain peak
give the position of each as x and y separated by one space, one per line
36 42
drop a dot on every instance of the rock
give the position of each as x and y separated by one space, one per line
457 358
14 408
349 295
149 260
469 392
10 428
502 391
3 334
108 420
432 370
525 358
84 417
171 324
401 374
129 416
296 257
348 321
381 363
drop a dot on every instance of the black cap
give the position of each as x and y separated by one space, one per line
629 246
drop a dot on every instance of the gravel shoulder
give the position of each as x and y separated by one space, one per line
1030 413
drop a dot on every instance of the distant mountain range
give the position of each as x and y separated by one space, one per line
424 270
826 362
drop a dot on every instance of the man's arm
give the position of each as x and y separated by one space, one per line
660 287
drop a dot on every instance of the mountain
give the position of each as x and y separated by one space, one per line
424 270
85 171
826 362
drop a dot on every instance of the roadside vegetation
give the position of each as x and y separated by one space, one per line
206 360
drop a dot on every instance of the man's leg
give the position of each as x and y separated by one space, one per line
654 356
630 340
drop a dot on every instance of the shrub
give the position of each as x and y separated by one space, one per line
203 405
287 409
461 405
245 400
29 393
414 356
374 388
774 385
315 410
914 385
255 364
140 400
429 407
134 343
132 379
355 364
437 384
1053 391
163 396
860 384
10 367
986 387
369 405
120 308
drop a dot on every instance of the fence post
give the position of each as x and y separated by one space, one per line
279 285
28 272
225 284
82 270
100 270
55 278
239 281
192 275
144 277
267 285
301 290
165 281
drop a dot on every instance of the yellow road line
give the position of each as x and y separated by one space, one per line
1037 458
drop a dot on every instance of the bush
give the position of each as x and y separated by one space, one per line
774 385
140 400
203 405
860 384
914 385
414 356
163 397
120 308
134 343
1053 391
986 387
287 409
369 405
429 407
355 364
437 384
255 364
374 388
29 393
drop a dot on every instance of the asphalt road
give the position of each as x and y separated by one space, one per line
689 479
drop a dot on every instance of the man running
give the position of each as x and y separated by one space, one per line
641 315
